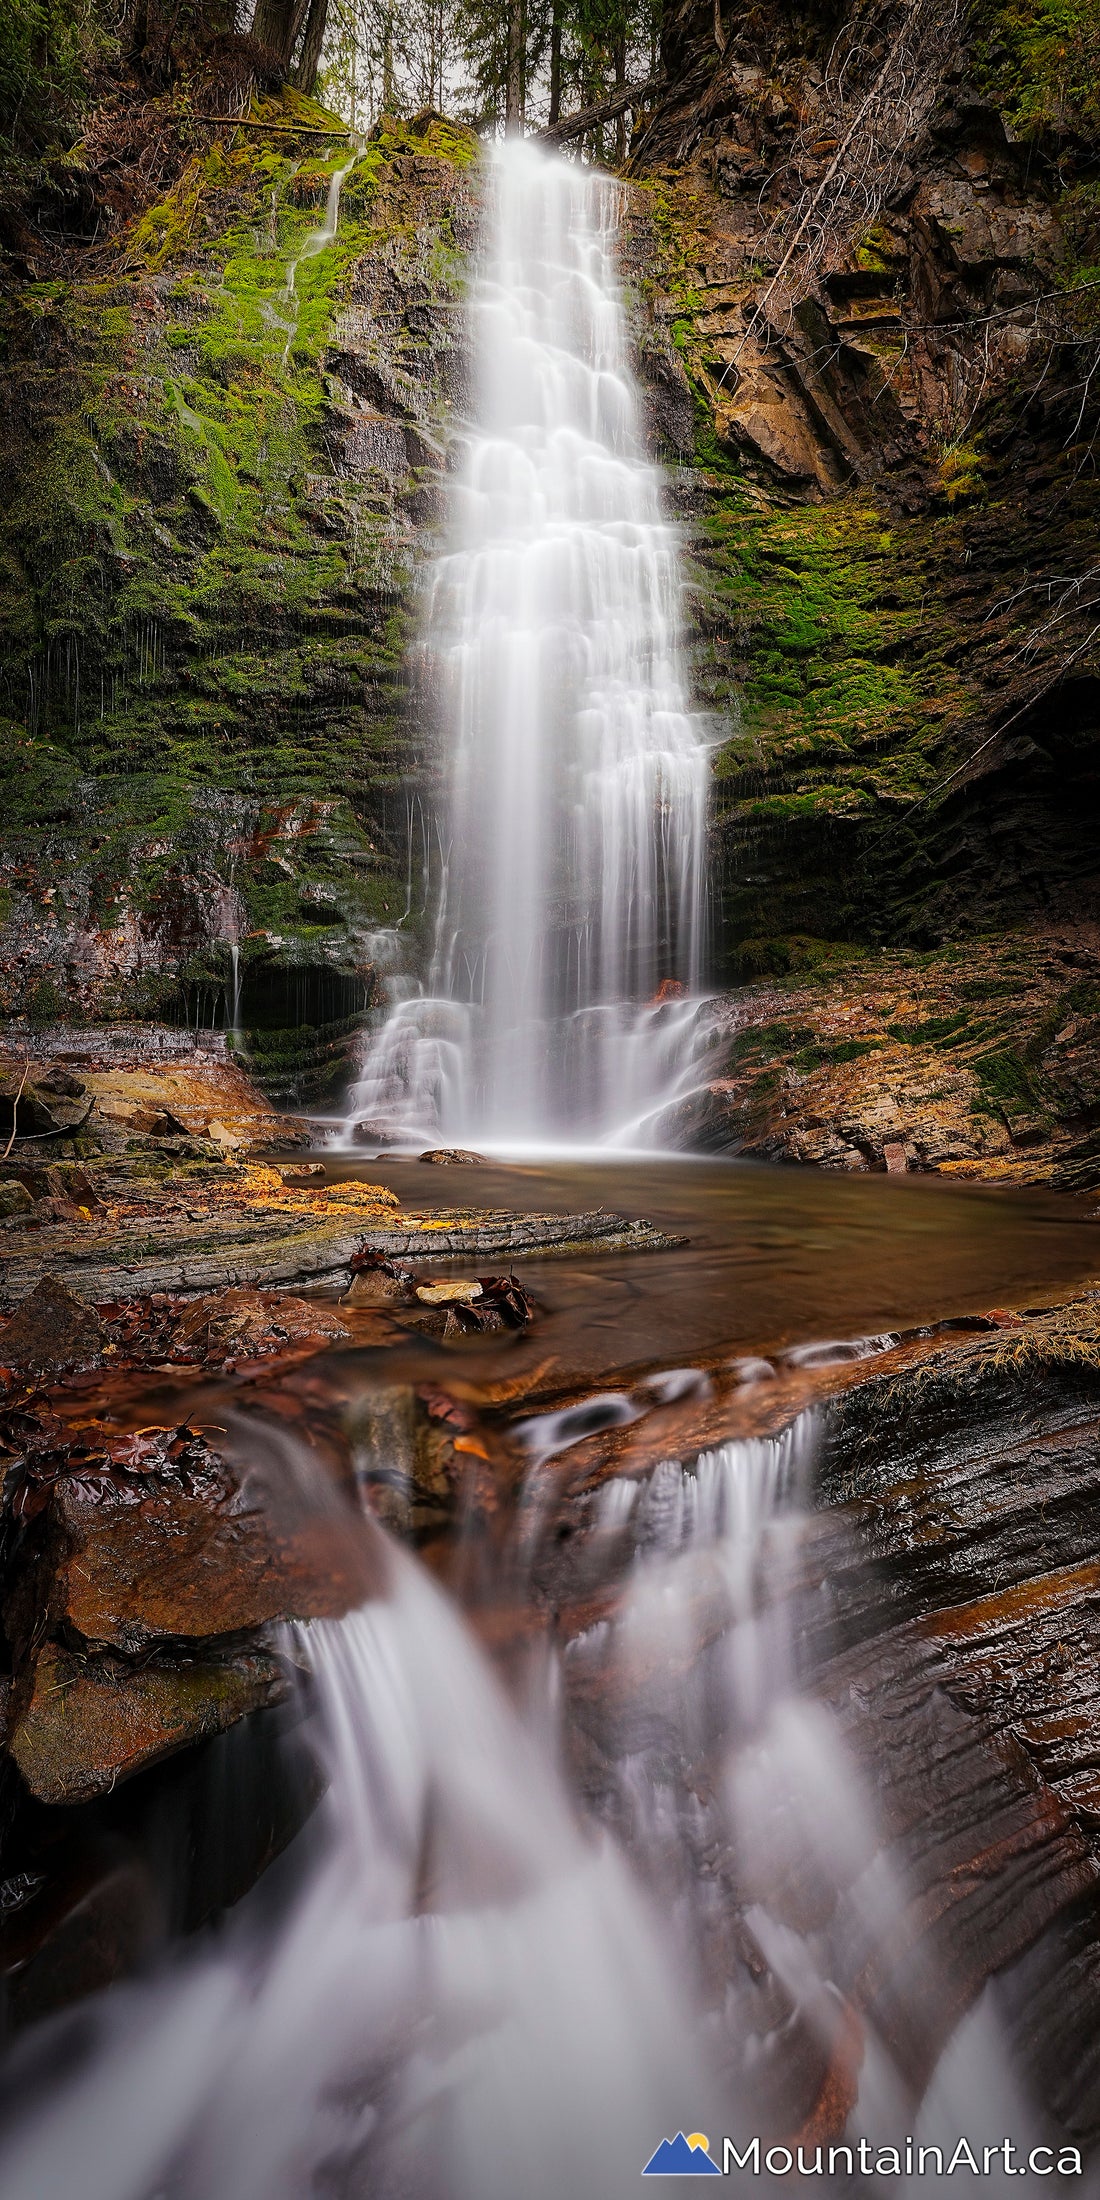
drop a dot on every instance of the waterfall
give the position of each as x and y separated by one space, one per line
467 1995
562 994
723 1771
468 2000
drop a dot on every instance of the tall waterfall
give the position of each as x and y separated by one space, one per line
575 774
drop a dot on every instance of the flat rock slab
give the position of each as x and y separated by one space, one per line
272 1247
93 1721
162 1539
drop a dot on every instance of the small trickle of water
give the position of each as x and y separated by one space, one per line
562 998
316 241
228 915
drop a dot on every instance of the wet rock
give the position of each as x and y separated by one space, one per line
443 1155
92 1918
455 1292
310 1172
14 1200
131 1539
243 1325
378 1282
93 1721
52 1329
373 1134
246 1229
417 1455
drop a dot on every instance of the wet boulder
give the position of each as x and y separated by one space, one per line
445 1156
52 1330
93 1721
135 1538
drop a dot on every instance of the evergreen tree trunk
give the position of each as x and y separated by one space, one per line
311 45
514 87
555 62
387 63
620 80
273 28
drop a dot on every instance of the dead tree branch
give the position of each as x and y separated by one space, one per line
619 102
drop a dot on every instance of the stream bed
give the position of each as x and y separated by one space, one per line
639 1797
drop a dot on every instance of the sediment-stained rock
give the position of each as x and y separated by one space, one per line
93 1721
979 1064
155 1537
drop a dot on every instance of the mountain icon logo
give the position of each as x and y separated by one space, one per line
680 2157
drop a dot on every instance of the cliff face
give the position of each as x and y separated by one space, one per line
876 234
219 462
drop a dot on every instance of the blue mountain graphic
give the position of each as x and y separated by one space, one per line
674 2158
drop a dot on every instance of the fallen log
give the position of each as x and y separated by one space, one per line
618 102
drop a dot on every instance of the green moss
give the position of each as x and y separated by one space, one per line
824 1055
797 954
930 1030
1042 59
961 473
1005 1078
194 613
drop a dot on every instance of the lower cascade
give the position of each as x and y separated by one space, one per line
472 1991
562 999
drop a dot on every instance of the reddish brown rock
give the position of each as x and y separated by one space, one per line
52 1329
134 1538
165 1560
246 1324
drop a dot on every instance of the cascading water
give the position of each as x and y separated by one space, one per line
467 1997
576 775
468 2000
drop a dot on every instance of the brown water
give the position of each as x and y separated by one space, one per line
773 1257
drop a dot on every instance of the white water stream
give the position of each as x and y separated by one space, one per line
470 1996
575 773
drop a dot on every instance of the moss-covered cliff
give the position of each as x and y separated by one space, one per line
864 250
218 474
872 237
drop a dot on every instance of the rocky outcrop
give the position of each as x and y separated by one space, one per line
981 1062
864 255
91 1722
215 503
941 1597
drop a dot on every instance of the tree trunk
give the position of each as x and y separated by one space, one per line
591 119
273 28
620 120
514 87
311 45
387 62
555 63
